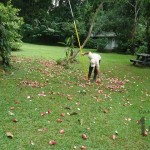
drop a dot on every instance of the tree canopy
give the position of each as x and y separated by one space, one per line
50 21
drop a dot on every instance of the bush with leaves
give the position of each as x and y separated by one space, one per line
10 34
69 50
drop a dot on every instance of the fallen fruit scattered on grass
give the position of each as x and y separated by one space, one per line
63 114
145 133
62 131
113 137
83 147
84 136
59 120
52 142
15 120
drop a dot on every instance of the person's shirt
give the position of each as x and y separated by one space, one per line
94 56
94 59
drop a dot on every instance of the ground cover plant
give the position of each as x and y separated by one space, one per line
45 106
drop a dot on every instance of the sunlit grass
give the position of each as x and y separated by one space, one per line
99 110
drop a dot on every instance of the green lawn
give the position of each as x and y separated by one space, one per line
45 98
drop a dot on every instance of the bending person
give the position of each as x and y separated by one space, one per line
95 60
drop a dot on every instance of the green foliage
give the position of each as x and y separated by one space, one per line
50 23
117 17
69 43
97 43
142 49
10 37
92 43
102 42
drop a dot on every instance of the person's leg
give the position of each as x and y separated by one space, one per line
90 72
95 73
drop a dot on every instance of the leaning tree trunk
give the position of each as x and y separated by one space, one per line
148 35
89 32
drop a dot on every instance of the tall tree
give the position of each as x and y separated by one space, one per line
99 7
9 31
147 20
136 7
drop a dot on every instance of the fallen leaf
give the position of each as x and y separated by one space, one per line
9 134
32 143
116 132
11 113
12 108
69 98
74 147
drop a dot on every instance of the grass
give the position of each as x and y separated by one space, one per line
36 84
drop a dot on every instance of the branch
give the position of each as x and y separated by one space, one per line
90 30
92 24
130 4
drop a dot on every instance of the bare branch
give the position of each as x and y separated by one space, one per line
130 4
90 30
92 24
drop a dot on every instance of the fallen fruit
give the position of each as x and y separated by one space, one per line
59 120
62 131
42 113
145 133
69 98
84 136
113 137
15 120
9 134
12 108
83 147
63 114
105 111
52 142
98 81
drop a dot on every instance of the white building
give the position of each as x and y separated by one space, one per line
111 36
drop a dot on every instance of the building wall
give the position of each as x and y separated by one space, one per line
111 43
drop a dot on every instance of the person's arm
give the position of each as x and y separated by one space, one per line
86 53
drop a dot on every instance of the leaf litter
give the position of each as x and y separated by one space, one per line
51 72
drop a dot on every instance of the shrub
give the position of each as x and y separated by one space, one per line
142 49
10 37
102 42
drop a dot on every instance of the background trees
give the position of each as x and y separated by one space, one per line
50 21
10 37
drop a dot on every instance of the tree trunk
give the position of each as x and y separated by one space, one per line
148 35
5 61
89 32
